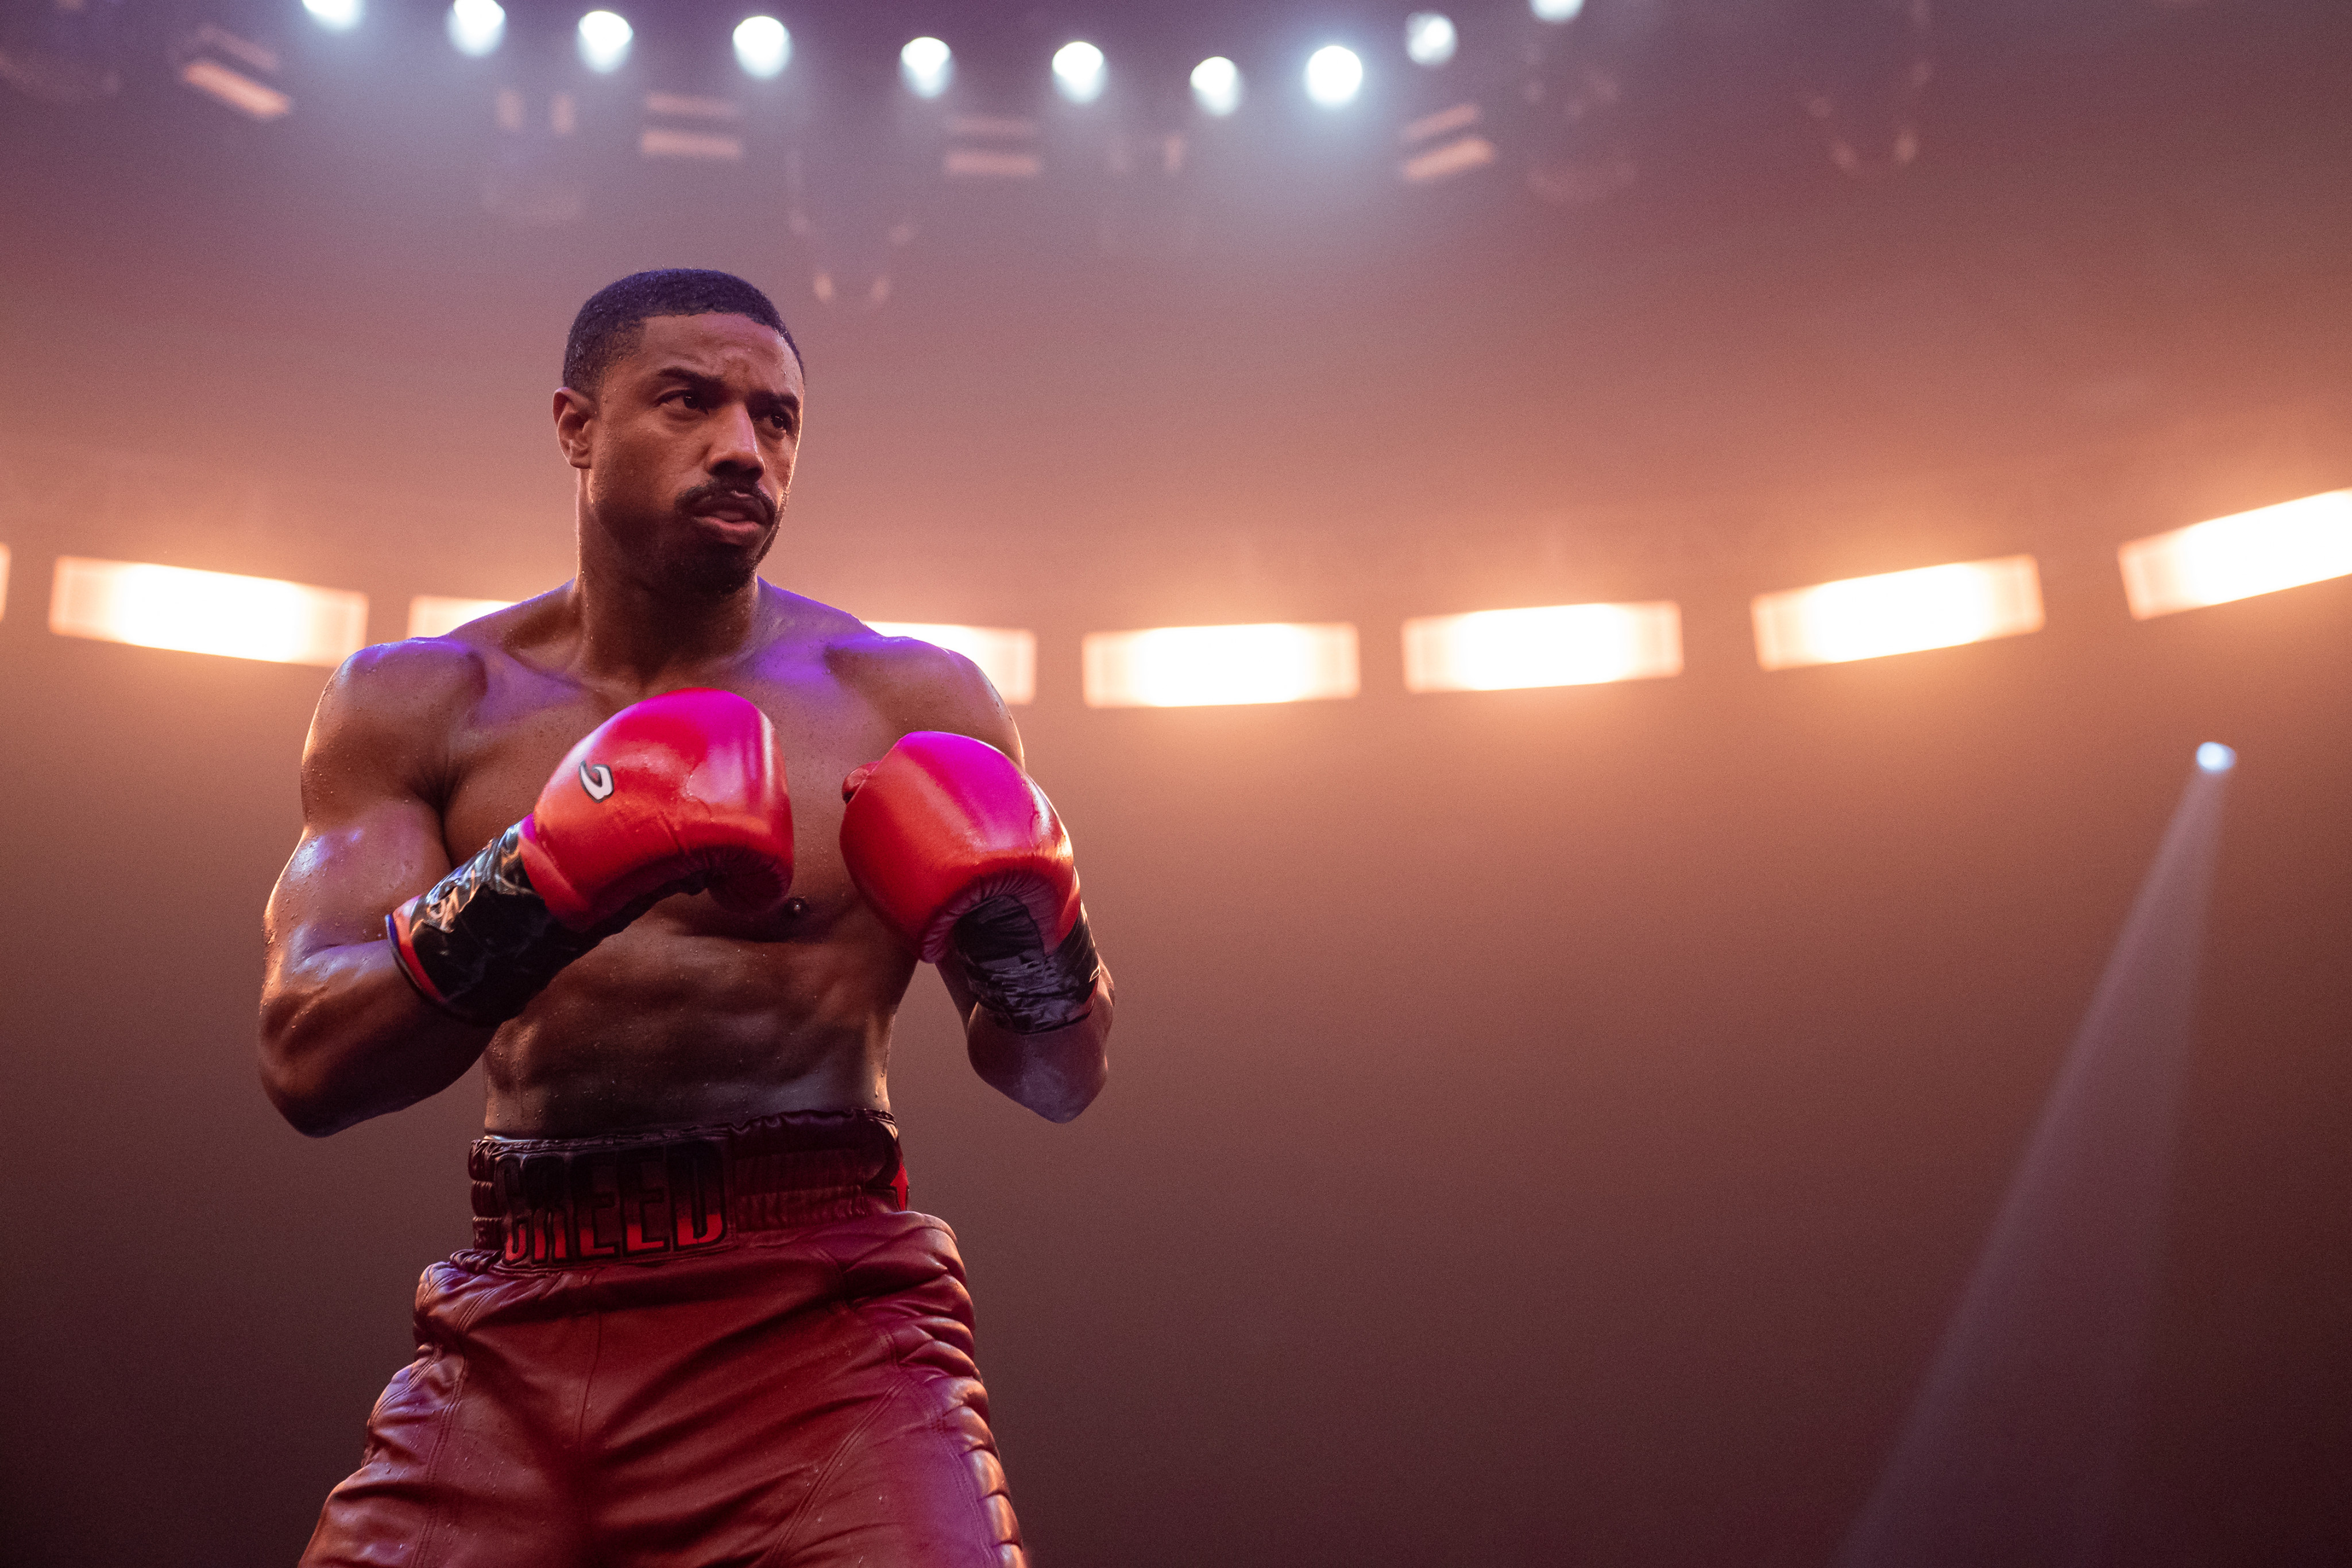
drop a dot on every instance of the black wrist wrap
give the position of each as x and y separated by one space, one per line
1015 977
484 941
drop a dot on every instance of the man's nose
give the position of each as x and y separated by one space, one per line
735 445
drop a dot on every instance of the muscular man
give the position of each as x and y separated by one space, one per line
598 842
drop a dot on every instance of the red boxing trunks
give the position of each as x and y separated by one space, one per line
710 1346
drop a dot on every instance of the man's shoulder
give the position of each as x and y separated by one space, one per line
432 683
450 672
919 685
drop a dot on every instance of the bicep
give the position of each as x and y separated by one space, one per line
371 836
348 873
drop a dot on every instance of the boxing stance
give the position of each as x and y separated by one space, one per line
660 849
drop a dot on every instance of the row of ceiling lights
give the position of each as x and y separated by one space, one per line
1333 75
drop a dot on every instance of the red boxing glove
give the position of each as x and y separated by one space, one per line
678 791
958 850
680 786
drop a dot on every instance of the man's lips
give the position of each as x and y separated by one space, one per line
728 506
733 512
739 519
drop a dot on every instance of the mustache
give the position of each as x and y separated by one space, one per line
706 496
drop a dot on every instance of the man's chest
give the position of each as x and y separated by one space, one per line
822 729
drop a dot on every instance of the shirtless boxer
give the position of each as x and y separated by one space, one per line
598 843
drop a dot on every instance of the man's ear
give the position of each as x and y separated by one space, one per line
574 413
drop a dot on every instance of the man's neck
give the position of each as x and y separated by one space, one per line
645 636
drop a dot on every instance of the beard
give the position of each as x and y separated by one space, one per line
708 570
695 564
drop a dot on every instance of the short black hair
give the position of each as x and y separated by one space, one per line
608 325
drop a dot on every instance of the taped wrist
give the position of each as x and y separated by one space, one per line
1014 976
480 945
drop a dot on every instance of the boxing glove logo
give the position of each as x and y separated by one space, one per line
596 779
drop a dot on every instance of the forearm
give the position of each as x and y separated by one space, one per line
345 1037
1057 1073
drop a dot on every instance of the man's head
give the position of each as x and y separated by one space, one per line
681 409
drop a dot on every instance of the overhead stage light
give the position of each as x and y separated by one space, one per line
1078 73
926 64
604 40
432 617
476 27
1217 85
1006 656
206 612
1900 612
1430 39
2237 557
340 16
2216 758
763 45
1556 10
1190 666
1334 75
1557 645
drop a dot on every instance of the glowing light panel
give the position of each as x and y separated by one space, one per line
1007 656
1334 75
604 40
1217 85
1555 645
2216 758
430 616
1430 39
1192 666
206 612
926 64
763 45
476 27
1900 612
1078 73
1556 10
340 16
4 580
2237 557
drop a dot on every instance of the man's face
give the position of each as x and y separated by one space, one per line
688 448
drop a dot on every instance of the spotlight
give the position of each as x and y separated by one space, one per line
1552 645
476 25
926 64
763 46
1429 37
1899 612
432 615
2259 552
2216 758
1556 10
1078 72
1217 84
604 40
206 612
1333 76
1192 666
337 16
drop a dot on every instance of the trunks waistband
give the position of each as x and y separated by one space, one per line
566 1201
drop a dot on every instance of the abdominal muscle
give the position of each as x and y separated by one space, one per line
672 1023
